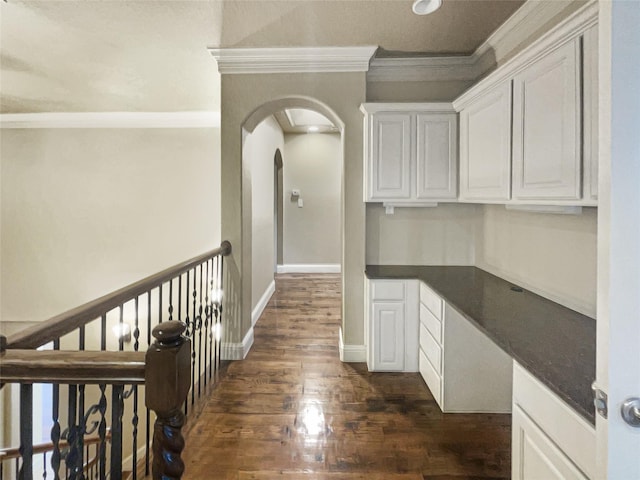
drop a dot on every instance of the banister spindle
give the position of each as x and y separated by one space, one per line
167 381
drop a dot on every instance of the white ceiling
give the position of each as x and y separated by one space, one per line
150 55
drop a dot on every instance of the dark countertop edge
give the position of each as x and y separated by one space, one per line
576 406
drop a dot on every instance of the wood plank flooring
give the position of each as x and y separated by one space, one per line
292 410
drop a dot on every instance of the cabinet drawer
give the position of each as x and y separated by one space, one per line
431 348
385 290
431 378
431 323
431 300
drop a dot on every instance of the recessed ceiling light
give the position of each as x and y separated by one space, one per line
425 7
313 129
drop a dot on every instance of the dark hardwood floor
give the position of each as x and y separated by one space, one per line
292 410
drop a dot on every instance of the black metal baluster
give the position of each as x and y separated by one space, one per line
147 413
180 300
220 300
187 322
72 458
136 328
26 431
134 418
206 322
81 411
101 449
199 325
55 428
194 327
117 410
121 329
44 466
211 315
159 307
171 299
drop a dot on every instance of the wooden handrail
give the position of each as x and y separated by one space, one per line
14 452
55 327
72 367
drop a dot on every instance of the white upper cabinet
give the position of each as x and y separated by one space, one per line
436 154
410 153
546 127
590 114
485 146
390 157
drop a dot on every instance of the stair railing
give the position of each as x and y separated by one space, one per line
100 346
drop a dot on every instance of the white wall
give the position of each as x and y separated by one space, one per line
443 235
312 164
554 255
258 158
86 211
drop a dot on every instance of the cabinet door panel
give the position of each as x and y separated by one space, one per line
485 146
546 127
436 156
391 157
535 456
388 336
590 117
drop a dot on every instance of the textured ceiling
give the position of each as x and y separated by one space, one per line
150 55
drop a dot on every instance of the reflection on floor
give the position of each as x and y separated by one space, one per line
292 410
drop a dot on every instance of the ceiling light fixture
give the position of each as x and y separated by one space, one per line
313 129
425 7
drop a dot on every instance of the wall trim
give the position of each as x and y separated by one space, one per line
420 69
309 268
198 119
293 59
237 351
262 303
351 353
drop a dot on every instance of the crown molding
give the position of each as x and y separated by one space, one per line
525 21
293 59
111 120
432 107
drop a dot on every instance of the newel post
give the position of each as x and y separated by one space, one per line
167 382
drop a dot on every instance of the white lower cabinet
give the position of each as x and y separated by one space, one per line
392 326
464 370
549 440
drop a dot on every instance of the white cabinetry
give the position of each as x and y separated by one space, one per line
529 130
392 337
465 371
549 440
410 153
546 127
485 146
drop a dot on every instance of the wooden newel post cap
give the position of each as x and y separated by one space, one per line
168 368
226 247
169 333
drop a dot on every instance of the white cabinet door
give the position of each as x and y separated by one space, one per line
546 127
590 116
535 456
388 336
485 146
436 156
390 157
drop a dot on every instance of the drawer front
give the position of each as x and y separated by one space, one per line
431 349
431 300
386 290
431 378
431 323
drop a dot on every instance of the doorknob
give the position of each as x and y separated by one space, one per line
631 412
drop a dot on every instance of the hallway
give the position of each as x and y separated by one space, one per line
292 410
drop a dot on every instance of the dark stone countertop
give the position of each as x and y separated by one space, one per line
556 344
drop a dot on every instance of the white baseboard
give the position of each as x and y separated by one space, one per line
262 303
237 351
309 268
351 353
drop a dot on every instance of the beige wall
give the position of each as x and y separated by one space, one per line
341 95
258 155
554 255
427 91
312 164
442 235
86 211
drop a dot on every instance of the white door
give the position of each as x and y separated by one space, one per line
546 127
618 366
390 156
436 156
485 146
